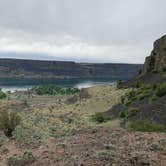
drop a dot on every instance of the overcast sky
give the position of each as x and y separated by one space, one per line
81 30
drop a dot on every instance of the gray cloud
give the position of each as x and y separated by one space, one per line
102 30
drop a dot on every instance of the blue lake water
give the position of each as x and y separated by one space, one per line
11 84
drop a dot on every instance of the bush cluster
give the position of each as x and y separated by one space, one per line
128 113
8 121
120 84
164 69
2 94
26 159
146 126
100 118
54 90
140 92
161 90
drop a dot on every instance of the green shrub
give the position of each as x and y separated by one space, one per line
164 69
100 118
154 86
153 98
26 159
140 72
122 100
131 112
27 136
143 95
129 97
104 154
8 121
54 90
161 90
138 84
128 113
131 94
146 126
144 91
2 94
120 84
122 114
128 102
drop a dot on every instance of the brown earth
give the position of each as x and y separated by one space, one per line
100 147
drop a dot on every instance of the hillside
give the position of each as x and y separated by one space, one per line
10 68
145 103
56 130
97 126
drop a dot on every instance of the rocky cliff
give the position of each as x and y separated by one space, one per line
157 60
146 102
10 68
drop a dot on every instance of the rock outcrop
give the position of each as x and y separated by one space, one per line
157 60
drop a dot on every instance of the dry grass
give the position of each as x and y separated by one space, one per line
52 116
59 133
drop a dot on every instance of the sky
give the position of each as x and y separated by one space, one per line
99 31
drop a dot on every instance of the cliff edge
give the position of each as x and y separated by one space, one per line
156 62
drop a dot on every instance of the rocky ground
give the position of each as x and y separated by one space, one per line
100 147
55 132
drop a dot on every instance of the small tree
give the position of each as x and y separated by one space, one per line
2 94
8 122
120 84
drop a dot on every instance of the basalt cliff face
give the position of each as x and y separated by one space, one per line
10 68
157 60
147 99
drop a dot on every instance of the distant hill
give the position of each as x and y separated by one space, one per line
11 68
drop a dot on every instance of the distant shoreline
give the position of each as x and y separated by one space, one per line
87 84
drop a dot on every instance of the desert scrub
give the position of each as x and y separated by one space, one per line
8 122
146 126
4 150
153 98
138 84
122 114
119 84
3 139
164 69
54 90
2 94
26 159
150 92
128 113
104 155
129 97
27 137
131 112
161 90
100 118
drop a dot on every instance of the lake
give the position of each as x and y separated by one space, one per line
13 84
